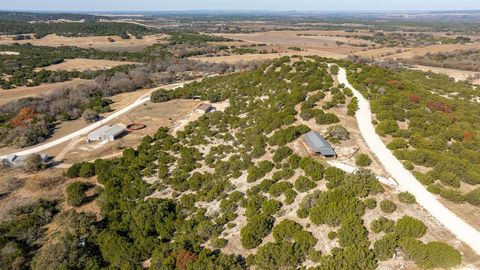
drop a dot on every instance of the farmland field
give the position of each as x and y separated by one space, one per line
82 64
95 42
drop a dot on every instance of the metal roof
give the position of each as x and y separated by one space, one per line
107 131
115 130
204 107
318 144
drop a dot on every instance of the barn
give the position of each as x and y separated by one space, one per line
316 144
204 108
106 133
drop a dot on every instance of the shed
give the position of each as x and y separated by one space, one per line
105 133
17 160
316 144
204 108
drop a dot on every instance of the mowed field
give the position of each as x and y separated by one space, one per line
263 57
82 64
95 42
310 40
411 52
23 92
459 75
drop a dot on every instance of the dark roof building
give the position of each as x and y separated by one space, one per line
316 144
204 108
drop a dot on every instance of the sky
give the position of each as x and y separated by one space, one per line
300 5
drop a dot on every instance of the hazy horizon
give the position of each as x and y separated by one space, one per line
248 5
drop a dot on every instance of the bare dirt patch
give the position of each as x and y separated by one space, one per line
153 115
81 64
95 42
410 52
47 184
311 40
458 75
265 57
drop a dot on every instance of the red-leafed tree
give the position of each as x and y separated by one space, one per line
184 257
439 106
414 98
24 116
468 135
397 84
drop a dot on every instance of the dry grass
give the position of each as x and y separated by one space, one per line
313 40
459 75
265 57
96 42
48 184
81 64
153 115
410 52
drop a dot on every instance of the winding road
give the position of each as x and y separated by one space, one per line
404 178
141 100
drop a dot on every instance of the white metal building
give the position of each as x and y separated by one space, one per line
106 133
17 161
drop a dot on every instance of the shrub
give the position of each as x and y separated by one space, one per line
431 255
334 70
219 242
333 206
303 184
384 248
160 95
282 153
82 169
410 227
382 224
397 144
334 177
286 229
388 206
406 197
271 207
370 203
473 197
32 163
90 116
387 127
255 173
256 229
312 168
76 193
283 255
337 132
86 170
363 160
352 231
286 135
326 119
278 188
408 165
352 107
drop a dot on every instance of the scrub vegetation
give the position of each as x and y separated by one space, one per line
213 178
432 125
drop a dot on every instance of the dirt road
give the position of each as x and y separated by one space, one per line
405 178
